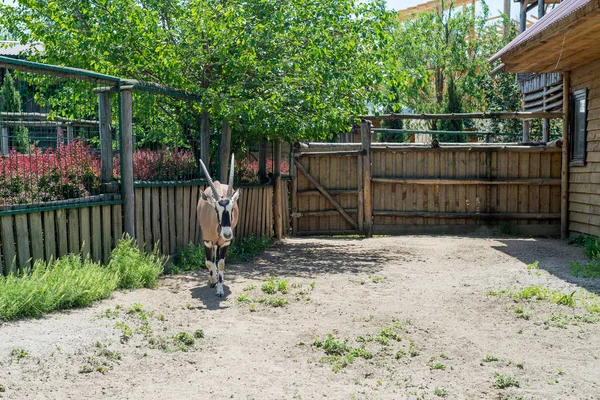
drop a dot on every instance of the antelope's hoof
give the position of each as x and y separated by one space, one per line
220 295
212 285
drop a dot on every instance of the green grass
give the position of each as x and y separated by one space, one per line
504 381
441 392
489 358
340 354
538 293
534 268
274 285
273 301
240 250
71 281
591 269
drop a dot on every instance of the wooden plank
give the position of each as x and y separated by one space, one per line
61 230
472 215
294 198
179 217
117 223
365 133
22 232
96 239
9 249
164 221
193 216
129 193
323 223
105 137
172 222
461 182
73 228
106 234
148 239
156 232
36 236
360 197
331 199
186 216
49 235
139 217
84 231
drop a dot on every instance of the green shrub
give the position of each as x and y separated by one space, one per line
136 268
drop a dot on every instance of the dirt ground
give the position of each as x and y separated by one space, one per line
430 292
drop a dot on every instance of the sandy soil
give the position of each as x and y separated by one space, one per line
430 291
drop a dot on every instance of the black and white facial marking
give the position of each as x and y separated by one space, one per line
224 209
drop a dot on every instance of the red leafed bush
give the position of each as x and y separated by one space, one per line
162 165
68 172
247 170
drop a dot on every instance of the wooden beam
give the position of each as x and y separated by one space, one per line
106 164
224 152
323 191
365 133
564 189
418 181
493 115
127 163
277 203
471 215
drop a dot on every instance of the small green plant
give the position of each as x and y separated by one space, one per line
108 313
399 354
18 355
590 269
2 388
441 392
135 308
504 381
590 244
273 301
520 312
199 333
489 358
444 356
86 369
184 338
436 364
377 279
126 331
249 288
412 350
243 298
534 268
521 365
274 285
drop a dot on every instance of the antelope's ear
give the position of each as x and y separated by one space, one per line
236 195
208 198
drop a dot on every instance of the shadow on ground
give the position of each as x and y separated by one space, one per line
554 256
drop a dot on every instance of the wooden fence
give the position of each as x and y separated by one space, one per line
419 189
163 214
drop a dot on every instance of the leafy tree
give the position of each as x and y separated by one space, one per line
10 101
287 69
442 64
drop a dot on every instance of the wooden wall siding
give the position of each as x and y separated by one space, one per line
28 237
167 215
584 182
421 189
339 175
525 188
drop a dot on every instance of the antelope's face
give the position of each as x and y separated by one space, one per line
224 209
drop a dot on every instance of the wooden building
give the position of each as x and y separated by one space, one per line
566 41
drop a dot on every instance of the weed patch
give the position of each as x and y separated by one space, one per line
505 381
339 354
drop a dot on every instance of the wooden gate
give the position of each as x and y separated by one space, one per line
388 188
327 190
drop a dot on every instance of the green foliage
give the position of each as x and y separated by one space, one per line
273 285
136 268
240 250
441 392
10 101
340 354
590 269
261 64
71 281
504 381
590 243
441 66
184 338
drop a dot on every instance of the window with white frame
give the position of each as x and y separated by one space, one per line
578 126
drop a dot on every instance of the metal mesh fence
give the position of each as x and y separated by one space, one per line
166 137
50 143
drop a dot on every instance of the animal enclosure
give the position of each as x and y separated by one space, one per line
419 189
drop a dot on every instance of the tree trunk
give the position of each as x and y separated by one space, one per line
205 138
225 151
262 161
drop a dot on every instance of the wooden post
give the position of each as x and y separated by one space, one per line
523 16
106 164
564 174
507 13
4 143
59 134
546 130
205 138
127 163
294 199
70 133
262 161
526 131
277 212
541 9
224 152
365 133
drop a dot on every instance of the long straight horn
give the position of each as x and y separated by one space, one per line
230 187
210 182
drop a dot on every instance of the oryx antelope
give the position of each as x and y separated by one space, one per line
218 214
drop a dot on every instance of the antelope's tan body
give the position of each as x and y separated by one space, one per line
207 217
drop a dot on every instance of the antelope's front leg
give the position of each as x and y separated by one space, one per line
222 252
209 253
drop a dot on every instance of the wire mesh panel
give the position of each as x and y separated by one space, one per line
166 138
55 147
